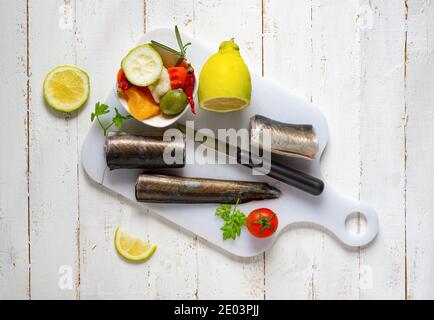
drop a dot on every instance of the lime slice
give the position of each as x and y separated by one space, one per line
66 88
142 65
131 247
224 104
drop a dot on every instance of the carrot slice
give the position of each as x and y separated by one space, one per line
141 104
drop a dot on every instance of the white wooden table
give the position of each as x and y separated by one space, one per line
369 65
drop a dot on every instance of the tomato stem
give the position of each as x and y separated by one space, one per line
264 222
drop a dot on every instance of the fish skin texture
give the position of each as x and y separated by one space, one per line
175 189
293 140
126 151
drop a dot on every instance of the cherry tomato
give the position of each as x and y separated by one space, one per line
262 223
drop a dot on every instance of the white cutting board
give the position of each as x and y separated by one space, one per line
329 211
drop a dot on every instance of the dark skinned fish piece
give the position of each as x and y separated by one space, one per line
174 189
126 151
294 140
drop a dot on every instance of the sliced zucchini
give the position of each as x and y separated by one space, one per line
142 65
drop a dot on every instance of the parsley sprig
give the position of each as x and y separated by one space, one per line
102 109
234 219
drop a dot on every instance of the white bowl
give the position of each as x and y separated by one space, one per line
160 120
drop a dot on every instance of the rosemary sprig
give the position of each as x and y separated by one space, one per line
182 47
163 46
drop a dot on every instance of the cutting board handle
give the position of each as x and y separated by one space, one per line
345 209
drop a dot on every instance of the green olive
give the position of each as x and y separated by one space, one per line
173 102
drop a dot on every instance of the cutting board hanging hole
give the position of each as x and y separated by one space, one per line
355 224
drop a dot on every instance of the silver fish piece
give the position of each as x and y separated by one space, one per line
126 151
294 140
175 189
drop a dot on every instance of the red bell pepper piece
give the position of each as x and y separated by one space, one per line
123 82
178 77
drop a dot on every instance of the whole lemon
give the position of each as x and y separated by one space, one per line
224 83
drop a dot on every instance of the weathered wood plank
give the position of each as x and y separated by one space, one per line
382 151
335 89
173 270
53 157
219 275
14 263
419 149
314 52
357 61
288 59
106 30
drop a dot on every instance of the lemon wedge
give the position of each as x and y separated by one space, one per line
66 88
132 248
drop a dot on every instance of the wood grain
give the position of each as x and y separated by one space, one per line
215 22
419 163
14 255
105 31
382 141
290 262
173 271
53 155
335 79
324 72
367 64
